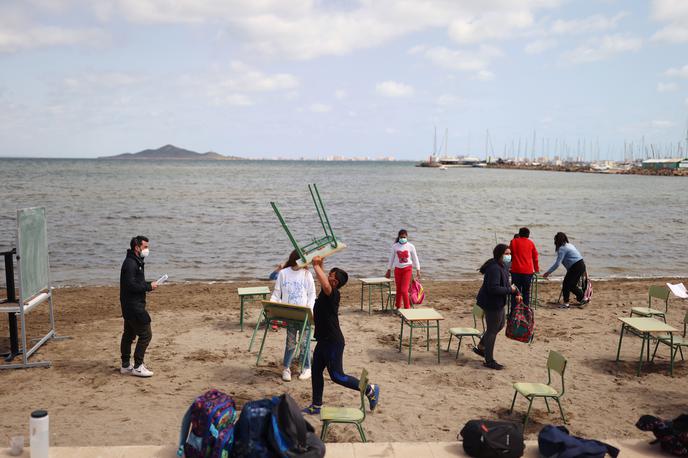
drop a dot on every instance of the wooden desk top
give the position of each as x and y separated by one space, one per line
375 280
253 290
425 314
647 324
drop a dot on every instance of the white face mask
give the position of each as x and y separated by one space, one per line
145 252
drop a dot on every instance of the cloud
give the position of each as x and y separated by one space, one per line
540 46
29 37
102 80
490 26
667 87
320 108
340 94
662 124
235 100
246 78
590 24
485 75
675 13
476 61
677 72
446 100
394 89
603 48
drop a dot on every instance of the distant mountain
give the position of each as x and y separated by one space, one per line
171 152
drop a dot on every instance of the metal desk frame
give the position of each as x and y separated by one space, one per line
644 327
408 317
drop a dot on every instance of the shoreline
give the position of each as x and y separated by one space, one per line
587 169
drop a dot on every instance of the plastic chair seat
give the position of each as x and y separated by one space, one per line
465 332
341 414
646 311
535 389
678 340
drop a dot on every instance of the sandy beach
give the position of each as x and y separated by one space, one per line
197 344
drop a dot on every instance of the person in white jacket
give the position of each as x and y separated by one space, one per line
295 286
403 259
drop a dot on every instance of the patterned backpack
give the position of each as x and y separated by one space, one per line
416 292
208 427
521 323
587 288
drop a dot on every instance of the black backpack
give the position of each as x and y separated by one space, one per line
555 441
492 439
672 435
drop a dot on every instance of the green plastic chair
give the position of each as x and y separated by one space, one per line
656 292
555 362
348 415
478 314
678 343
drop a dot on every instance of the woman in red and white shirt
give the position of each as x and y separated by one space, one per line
403 259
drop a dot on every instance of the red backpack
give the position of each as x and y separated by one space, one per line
416 293
521 323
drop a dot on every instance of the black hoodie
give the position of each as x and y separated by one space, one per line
493 292
132 289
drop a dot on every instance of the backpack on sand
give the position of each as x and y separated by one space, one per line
208 426
492 439
275 428
672 435
555 441
587 288
521 323
416 293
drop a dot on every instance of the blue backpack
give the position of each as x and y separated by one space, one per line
556 442
208 426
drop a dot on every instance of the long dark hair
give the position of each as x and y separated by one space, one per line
401 231
559 240
293 257
497 254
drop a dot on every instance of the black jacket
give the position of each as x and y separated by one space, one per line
493 292
132 289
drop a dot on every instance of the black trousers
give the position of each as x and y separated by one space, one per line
495 321
522 282
329 355
571 279
132 330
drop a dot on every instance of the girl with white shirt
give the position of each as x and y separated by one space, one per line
403 259
295 286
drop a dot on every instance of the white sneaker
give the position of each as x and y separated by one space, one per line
141 371
565 305
305 375
126 370
286 375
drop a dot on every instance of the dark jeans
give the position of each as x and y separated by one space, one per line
495 320
573 275
132 330
522 282
329 355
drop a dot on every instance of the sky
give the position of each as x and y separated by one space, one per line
315 78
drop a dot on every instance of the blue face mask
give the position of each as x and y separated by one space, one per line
403 240
507 258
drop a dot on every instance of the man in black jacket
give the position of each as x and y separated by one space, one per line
132 297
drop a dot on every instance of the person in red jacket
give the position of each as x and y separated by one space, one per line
524 263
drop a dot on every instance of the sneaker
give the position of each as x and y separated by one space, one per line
312 409
141 371
305 375
374 397
564 305
126 370
286 375
493 365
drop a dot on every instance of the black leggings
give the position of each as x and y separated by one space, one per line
329 355
573 275
495 320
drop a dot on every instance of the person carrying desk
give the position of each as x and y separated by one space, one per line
132 297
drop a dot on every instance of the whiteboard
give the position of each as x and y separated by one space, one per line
32 252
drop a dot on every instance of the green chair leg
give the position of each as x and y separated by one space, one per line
563 418
458 349
449 343
361 432
525 420
511 409
323 433
547 404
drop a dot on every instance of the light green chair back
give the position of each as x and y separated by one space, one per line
556 363
661 293
478 314
362 386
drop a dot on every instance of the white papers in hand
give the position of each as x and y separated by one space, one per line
679 290
162 279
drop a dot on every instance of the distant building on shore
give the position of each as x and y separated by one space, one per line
663 163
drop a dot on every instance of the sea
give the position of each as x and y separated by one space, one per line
212 221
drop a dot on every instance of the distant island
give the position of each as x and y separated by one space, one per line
171 152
